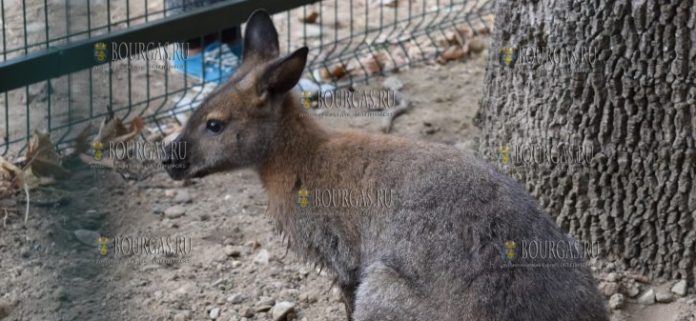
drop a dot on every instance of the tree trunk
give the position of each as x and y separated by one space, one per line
591 104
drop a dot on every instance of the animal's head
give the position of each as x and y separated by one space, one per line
236 124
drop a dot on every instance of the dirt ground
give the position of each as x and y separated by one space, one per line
228 262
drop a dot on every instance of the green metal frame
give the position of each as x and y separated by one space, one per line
57 86
56 62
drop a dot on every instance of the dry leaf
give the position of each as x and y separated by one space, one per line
40 146
109 129
81 141
372 63
465 32
42 157
339 71
113 130
452 53
335 72
310 18
10 178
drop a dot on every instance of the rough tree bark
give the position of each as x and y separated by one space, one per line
615 82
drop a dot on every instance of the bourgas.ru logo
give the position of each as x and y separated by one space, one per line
344 102
100 52
139 248
344 198
507 56
509 252
550 152
562 253
139 150
560 56
140 51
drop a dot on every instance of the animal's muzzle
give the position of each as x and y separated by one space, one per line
175 159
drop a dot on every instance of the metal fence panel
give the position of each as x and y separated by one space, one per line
52 80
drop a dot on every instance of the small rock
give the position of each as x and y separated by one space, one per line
663 296
158 294
263 257
158 209
609 288
612 277
289 294
174 212
281 310
616 301
266 301
170 193
139 282
87 237
309 297
215 313
248 313
647 298
183 291
232 251
235 298
393 83
264 304
218 282
477 45
631 289
182 196
182 316
679 288
640 278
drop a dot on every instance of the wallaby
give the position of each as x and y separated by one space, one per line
411 230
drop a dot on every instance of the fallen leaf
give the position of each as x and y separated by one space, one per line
452 53
310 18
112 129
10 178
82 144
42 157
338 71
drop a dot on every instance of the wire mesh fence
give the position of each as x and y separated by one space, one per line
349 41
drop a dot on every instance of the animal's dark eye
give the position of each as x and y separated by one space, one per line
214 126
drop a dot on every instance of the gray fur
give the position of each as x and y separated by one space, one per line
436 254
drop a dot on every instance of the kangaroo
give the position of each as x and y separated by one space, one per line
411 230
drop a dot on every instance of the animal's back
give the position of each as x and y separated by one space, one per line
443 238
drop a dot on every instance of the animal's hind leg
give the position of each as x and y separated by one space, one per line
384 295
348 295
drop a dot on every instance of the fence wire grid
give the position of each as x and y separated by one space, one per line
349 40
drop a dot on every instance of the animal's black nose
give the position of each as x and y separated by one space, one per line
174 159
168 159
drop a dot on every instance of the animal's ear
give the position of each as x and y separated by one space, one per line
260 37
283 74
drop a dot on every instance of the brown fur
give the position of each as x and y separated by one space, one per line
433 254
